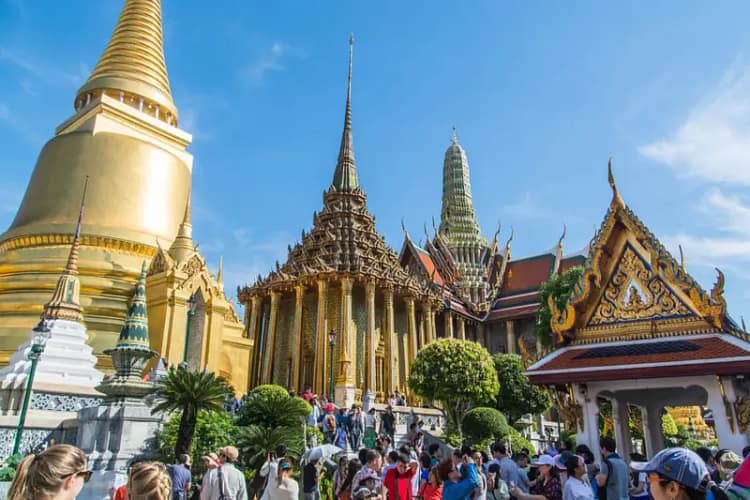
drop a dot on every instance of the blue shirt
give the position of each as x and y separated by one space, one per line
181 477
462 489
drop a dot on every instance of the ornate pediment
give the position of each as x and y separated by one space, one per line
635 293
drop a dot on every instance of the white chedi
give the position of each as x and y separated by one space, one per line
66 361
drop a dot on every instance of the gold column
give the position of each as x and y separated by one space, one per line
461 328
252 334
433 324
481 340
346 371
371 345
321 339
411 335
271 340
510 336
296 341
391 345
448 317
422 339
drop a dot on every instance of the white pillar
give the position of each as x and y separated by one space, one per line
589 435
729 436
652 432
621 419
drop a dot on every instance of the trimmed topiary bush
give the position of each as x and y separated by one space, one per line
484 423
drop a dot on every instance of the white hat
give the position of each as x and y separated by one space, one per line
544 460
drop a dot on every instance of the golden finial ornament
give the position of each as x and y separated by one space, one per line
616 198
682 258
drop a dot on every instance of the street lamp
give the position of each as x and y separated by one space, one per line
35 351
332 341
190 313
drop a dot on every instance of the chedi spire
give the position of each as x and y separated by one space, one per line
132 66
345 177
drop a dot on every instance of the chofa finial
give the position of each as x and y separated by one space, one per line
562 236
682 258
616 198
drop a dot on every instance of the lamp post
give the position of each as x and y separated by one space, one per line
191 312
35 351
332 341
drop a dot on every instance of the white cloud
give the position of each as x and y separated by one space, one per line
270 61
713 141
42 71
526 206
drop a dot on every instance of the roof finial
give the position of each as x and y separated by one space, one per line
183 245
345 176
562 236
616 198
72 264
455 135
682 258
220 274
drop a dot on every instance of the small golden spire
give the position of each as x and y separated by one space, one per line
559 253
220 274
65 301
682 259
133 61
183 245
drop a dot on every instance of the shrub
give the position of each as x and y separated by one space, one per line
518 442
270 406
484 423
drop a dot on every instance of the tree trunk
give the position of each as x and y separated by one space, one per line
185 433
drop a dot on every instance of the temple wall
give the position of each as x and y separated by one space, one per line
282 352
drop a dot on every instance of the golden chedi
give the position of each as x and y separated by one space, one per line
124 137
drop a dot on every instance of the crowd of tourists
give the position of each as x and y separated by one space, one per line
405 472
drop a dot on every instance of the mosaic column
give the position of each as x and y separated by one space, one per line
271 340
461 328
391 345
510 337
321 340
253 335
422 337
371 345
433 323
345 381
448 317
296 341
411 332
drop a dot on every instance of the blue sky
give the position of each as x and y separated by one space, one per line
541 92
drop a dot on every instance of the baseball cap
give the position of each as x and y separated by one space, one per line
680 465
544 460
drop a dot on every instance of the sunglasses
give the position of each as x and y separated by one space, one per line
85 474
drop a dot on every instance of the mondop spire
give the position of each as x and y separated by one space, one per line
133 61
345 177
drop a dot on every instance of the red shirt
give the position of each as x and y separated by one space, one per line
120 493
430 492
395 480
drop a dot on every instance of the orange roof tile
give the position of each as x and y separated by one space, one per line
430 266
528 273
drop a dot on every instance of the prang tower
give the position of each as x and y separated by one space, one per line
124 136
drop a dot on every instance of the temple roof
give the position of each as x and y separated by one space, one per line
343 239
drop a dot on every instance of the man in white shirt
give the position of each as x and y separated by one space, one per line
225 480
575 488
270 470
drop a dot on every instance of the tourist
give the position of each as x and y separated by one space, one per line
391 460
480 492
425 464
329 424
388 423
727 462
547 485
638 487
391 399
307 394
270 469
575 488
311 477
419 442
522 461
435 452
225 481
591 468
285 487
508 468
371 426
432 489
315 414
345 492
562 469
497 489
614 473
678 474
373 464
355 427
454 487
339 475
58 472
411 435
745 451
738 488
149 480
181 477
340 436
708 459
398 479
121 492
210 461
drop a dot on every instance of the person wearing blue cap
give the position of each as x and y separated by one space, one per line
678 474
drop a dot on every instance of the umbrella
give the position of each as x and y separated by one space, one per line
323 451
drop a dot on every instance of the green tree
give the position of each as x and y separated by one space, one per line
559 286
270 406
459 374
256 441
518 442
668 425
189 392
517 396
483 424
213 429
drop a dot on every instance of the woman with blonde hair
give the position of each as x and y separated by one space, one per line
149 481
57 473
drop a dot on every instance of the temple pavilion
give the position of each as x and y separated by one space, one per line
640 332
341 281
